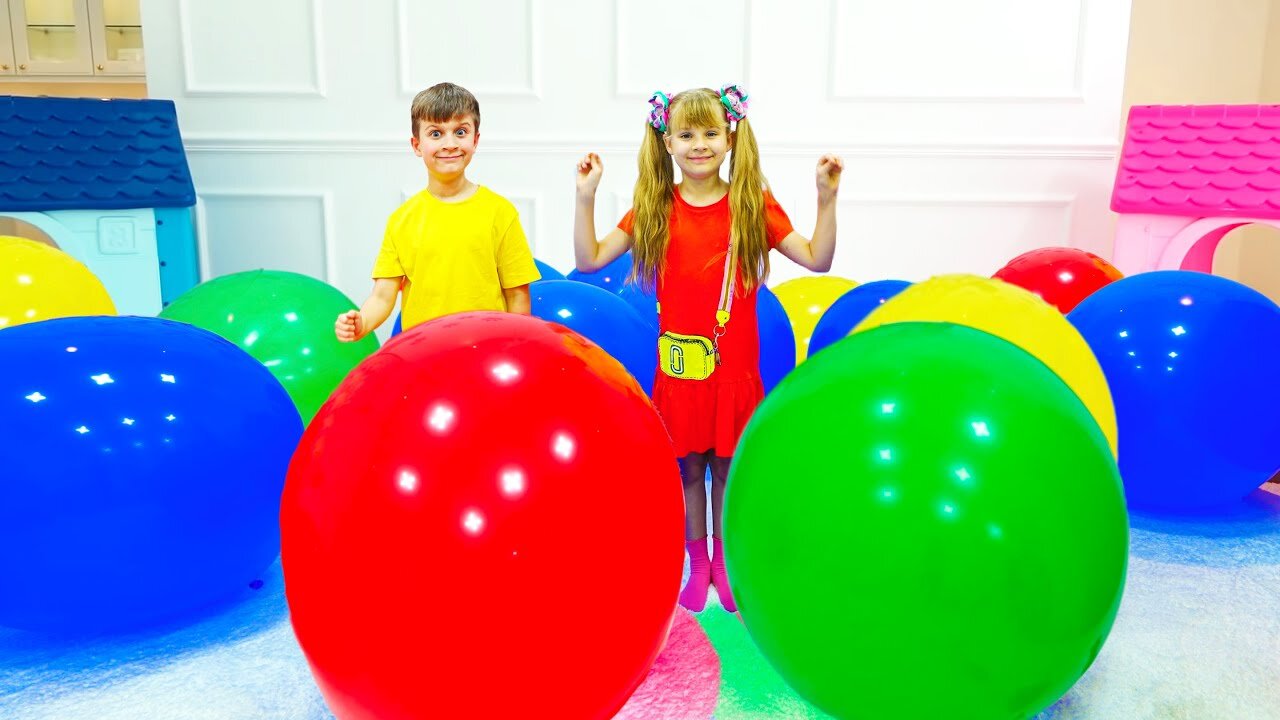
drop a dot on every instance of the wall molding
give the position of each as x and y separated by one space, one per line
1102 149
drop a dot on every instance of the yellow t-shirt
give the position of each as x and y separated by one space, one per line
455 256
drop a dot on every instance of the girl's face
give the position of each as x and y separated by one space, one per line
699 151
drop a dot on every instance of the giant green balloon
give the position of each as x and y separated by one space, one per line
283 319
924 521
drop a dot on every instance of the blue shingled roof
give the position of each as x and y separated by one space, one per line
89 154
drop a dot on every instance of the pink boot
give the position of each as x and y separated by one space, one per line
694 595
720 577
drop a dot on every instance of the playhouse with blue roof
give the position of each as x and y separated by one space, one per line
107 182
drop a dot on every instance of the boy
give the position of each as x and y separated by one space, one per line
454 247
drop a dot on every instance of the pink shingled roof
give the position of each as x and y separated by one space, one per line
1201 161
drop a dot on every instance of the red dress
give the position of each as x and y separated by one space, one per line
710 414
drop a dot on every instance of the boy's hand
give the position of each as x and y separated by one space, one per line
590 168
829 169
349 327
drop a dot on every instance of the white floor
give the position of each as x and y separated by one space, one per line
1197 638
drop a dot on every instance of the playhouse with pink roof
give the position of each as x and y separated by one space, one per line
1190 174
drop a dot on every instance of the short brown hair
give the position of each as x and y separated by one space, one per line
441 102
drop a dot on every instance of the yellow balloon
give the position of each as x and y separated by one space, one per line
805 299
1015 315
39 282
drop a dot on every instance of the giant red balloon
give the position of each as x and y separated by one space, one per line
485 520
1062 276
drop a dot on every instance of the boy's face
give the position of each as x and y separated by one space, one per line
699 152
446 147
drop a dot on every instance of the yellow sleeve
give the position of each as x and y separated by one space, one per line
388 265
515 261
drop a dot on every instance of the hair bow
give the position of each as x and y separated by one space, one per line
659 110
734 99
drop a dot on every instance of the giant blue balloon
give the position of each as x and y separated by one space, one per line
548 272
610 277
849 310
603 318
777 339
644 302
141 466
1193 363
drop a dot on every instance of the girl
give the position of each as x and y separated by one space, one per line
695 241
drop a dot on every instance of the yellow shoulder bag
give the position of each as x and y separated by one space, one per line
694 357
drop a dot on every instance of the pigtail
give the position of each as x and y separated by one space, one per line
747 186
651 232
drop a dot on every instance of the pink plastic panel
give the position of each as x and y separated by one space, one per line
1200 161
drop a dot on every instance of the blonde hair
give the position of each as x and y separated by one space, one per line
443 102
655 191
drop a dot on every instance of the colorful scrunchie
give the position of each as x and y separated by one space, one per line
659 110
734 99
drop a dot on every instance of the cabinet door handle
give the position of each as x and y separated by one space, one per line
102 67
23 66
4 67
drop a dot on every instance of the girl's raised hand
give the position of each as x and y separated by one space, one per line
590 168
829 169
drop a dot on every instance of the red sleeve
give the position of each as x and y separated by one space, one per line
628 222
777 224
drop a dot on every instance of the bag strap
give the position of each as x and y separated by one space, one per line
727 285
726 297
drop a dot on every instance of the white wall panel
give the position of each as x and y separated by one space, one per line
972 131
248 229
528 206
914 237
435 40
714 40
942 73
247 47
972 51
